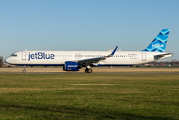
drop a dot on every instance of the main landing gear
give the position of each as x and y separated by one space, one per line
88 70
24 70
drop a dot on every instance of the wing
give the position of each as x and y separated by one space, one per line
95 60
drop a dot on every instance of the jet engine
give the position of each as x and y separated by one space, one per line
70 66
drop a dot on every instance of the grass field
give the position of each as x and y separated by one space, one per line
89 96
95 69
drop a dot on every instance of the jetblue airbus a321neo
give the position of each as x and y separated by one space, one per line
74 60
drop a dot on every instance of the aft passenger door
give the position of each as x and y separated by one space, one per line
143 56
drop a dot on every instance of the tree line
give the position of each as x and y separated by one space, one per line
1 61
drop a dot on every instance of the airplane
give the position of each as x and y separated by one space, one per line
74 60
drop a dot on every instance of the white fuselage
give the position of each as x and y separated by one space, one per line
58 58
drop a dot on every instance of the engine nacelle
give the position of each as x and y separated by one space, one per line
71 66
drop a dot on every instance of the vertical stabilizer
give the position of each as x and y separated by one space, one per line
159 43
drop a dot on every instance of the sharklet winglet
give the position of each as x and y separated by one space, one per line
114 50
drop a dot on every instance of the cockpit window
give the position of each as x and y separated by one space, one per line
14 55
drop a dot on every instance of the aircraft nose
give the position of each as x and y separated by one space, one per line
6 60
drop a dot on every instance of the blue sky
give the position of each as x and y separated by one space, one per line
86 24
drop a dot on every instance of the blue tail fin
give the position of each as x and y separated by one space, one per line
159 43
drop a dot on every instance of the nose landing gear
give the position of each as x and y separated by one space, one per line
24 70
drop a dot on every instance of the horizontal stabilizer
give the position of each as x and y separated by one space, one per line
162 56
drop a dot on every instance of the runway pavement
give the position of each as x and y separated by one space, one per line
96 70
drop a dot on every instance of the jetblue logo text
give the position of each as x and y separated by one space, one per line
41 55
72 65
157 45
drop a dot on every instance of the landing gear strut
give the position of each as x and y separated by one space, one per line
88 70
24 70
